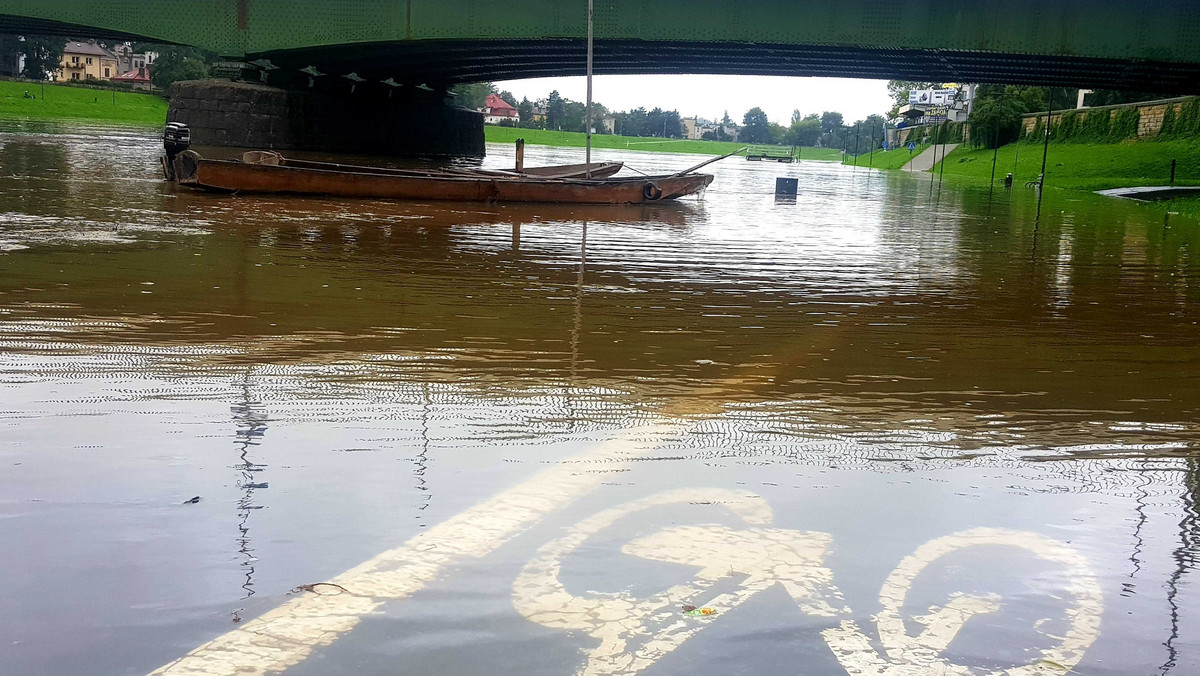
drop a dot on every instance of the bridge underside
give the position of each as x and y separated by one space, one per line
441 62
436 62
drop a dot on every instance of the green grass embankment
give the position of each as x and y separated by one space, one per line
891 159
542 137
1083 166
78 103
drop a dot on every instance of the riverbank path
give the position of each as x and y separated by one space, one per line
926 160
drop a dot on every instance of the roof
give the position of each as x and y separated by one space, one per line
135 76
499 105
89 48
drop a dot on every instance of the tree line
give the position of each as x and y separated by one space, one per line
827 129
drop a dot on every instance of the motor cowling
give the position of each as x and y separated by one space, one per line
177 137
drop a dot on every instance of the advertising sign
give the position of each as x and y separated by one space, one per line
935 97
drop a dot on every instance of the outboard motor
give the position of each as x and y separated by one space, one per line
176 139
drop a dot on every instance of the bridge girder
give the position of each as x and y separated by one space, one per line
1093 43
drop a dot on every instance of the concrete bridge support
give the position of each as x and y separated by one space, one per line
238 114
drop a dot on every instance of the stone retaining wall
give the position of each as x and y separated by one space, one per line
239 114
1151 113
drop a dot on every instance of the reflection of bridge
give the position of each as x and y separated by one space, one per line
368 47
1101 43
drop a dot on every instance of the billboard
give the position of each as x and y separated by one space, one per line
932 97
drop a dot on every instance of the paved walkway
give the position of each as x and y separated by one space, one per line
926 160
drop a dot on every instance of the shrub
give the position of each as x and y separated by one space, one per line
1168 125
1096 126
1188 121
1039 130
1068 127
1125 124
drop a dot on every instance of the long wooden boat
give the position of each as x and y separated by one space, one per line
194 171
598 169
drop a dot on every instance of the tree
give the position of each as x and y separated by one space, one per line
573 115
175 64
805 131
471 96
776 133
831 122
996 116
633 123
525 111
555 110
756 128
43 56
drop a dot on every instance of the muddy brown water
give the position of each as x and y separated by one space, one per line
889 428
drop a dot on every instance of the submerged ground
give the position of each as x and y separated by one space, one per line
889 427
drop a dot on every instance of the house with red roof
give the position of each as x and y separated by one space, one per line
139 79
497 110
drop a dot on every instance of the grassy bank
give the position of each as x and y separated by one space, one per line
891 159
1084 166
77 103
572 139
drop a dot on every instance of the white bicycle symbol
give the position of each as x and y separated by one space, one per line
634 633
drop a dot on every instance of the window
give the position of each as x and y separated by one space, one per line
89 61
75 59
74 76
106 73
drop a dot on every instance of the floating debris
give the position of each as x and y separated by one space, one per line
192 501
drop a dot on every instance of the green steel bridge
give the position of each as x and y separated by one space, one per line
1112 44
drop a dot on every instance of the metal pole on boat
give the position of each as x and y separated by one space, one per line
588 108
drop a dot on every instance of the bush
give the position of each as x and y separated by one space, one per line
1124 124
1096 126
1036 134
1168 125
1068 127
1188 121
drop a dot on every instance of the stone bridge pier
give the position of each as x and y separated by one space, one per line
244 115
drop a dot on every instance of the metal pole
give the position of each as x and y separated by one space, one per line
942 171
588 109
857 133
1172 172
1045 149
871 161
995 156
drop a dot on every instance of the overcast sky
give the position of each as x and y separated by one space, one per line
711 95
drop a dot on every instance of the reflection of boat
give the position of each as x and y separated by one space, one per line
194 171
598 169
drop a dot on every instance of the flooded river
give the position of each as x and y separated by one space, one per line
892 428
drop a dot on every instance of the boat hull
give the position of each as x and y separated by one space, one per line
597 169
239 177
